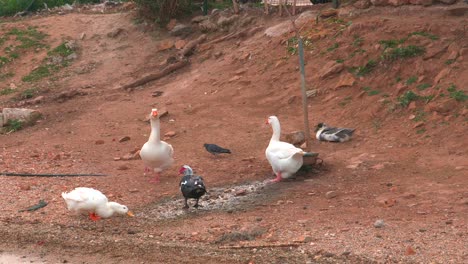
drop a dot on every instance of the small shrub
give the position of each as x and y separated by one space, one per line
424 34
411 80
423 86
404 52
7 91
333 47
28 93
420 116
14 125
457 94
405 99
363 70
357 42
450 61
339 61
7 75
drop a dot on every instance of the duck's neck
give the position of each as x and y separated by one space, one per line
276 131
105 211
155 133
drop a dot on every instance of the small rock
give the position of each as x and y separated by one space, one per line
82 36
330 69
123 139
410 251
165 45
99 142
295 138
251 159
379 223
116 158
181 30
258 219
131 232
123 167
131 156
179 44
240 192
449 222
412 105
331 194
346 80
170 134
411 117
418 124
114 33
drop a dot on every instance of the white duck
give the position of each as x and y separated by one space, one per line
93 202
285 159
156 154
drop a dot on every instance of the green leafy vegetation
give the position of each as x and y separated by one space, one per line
7 91
345 101
28 93
392 43
339 61
14 125
450 61
46 68
292 45
405 99
363 70
371 92
424 34
398 79
11 7
357 42
7 75
423 86
457 94
403 52
162 11
420 116
420 131
333 47
411 80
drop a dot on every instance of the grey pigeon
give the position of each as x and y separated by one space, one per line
215 149
191 186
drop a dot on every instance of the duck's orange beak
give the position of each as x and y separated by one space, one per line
154 113
130 214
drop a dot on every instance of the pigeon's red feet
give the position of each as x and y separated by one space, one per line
94 217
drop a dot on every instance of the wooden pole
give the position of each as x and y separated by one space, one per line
236 6
265 5
294 8
303 88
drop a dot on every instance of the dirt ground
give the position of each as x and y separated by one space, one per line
405 166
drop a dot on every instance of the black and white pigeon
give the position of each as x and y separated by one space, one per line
191 186
333 134
215 149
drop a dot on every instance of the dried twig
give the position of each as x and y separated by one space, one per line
48 174
157 75
188 48
293 244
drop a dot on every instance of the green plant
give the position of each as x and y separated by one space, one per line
370 92
423 86
420 131
333 47
14 125
61 50
403 52
424 34
339 61
398 79
7 91
37 74
357 42
7 75
29 38
411 80
420 116
449 61
162 11
457 94
28 93
405 99
345 101
391 43
11 7
363 70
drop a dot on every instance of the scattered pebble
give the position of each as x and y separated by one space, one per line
99 142
331 194
379 223
123 139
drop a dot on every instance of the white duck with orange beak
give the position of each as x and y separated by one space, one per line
156 154
285 159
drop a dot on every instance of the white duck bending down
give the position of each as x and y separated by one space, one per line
156 154
333 134
93 202
285 159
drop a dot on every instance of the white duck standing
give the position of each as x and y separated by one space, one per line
156 154
285 159
92 202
